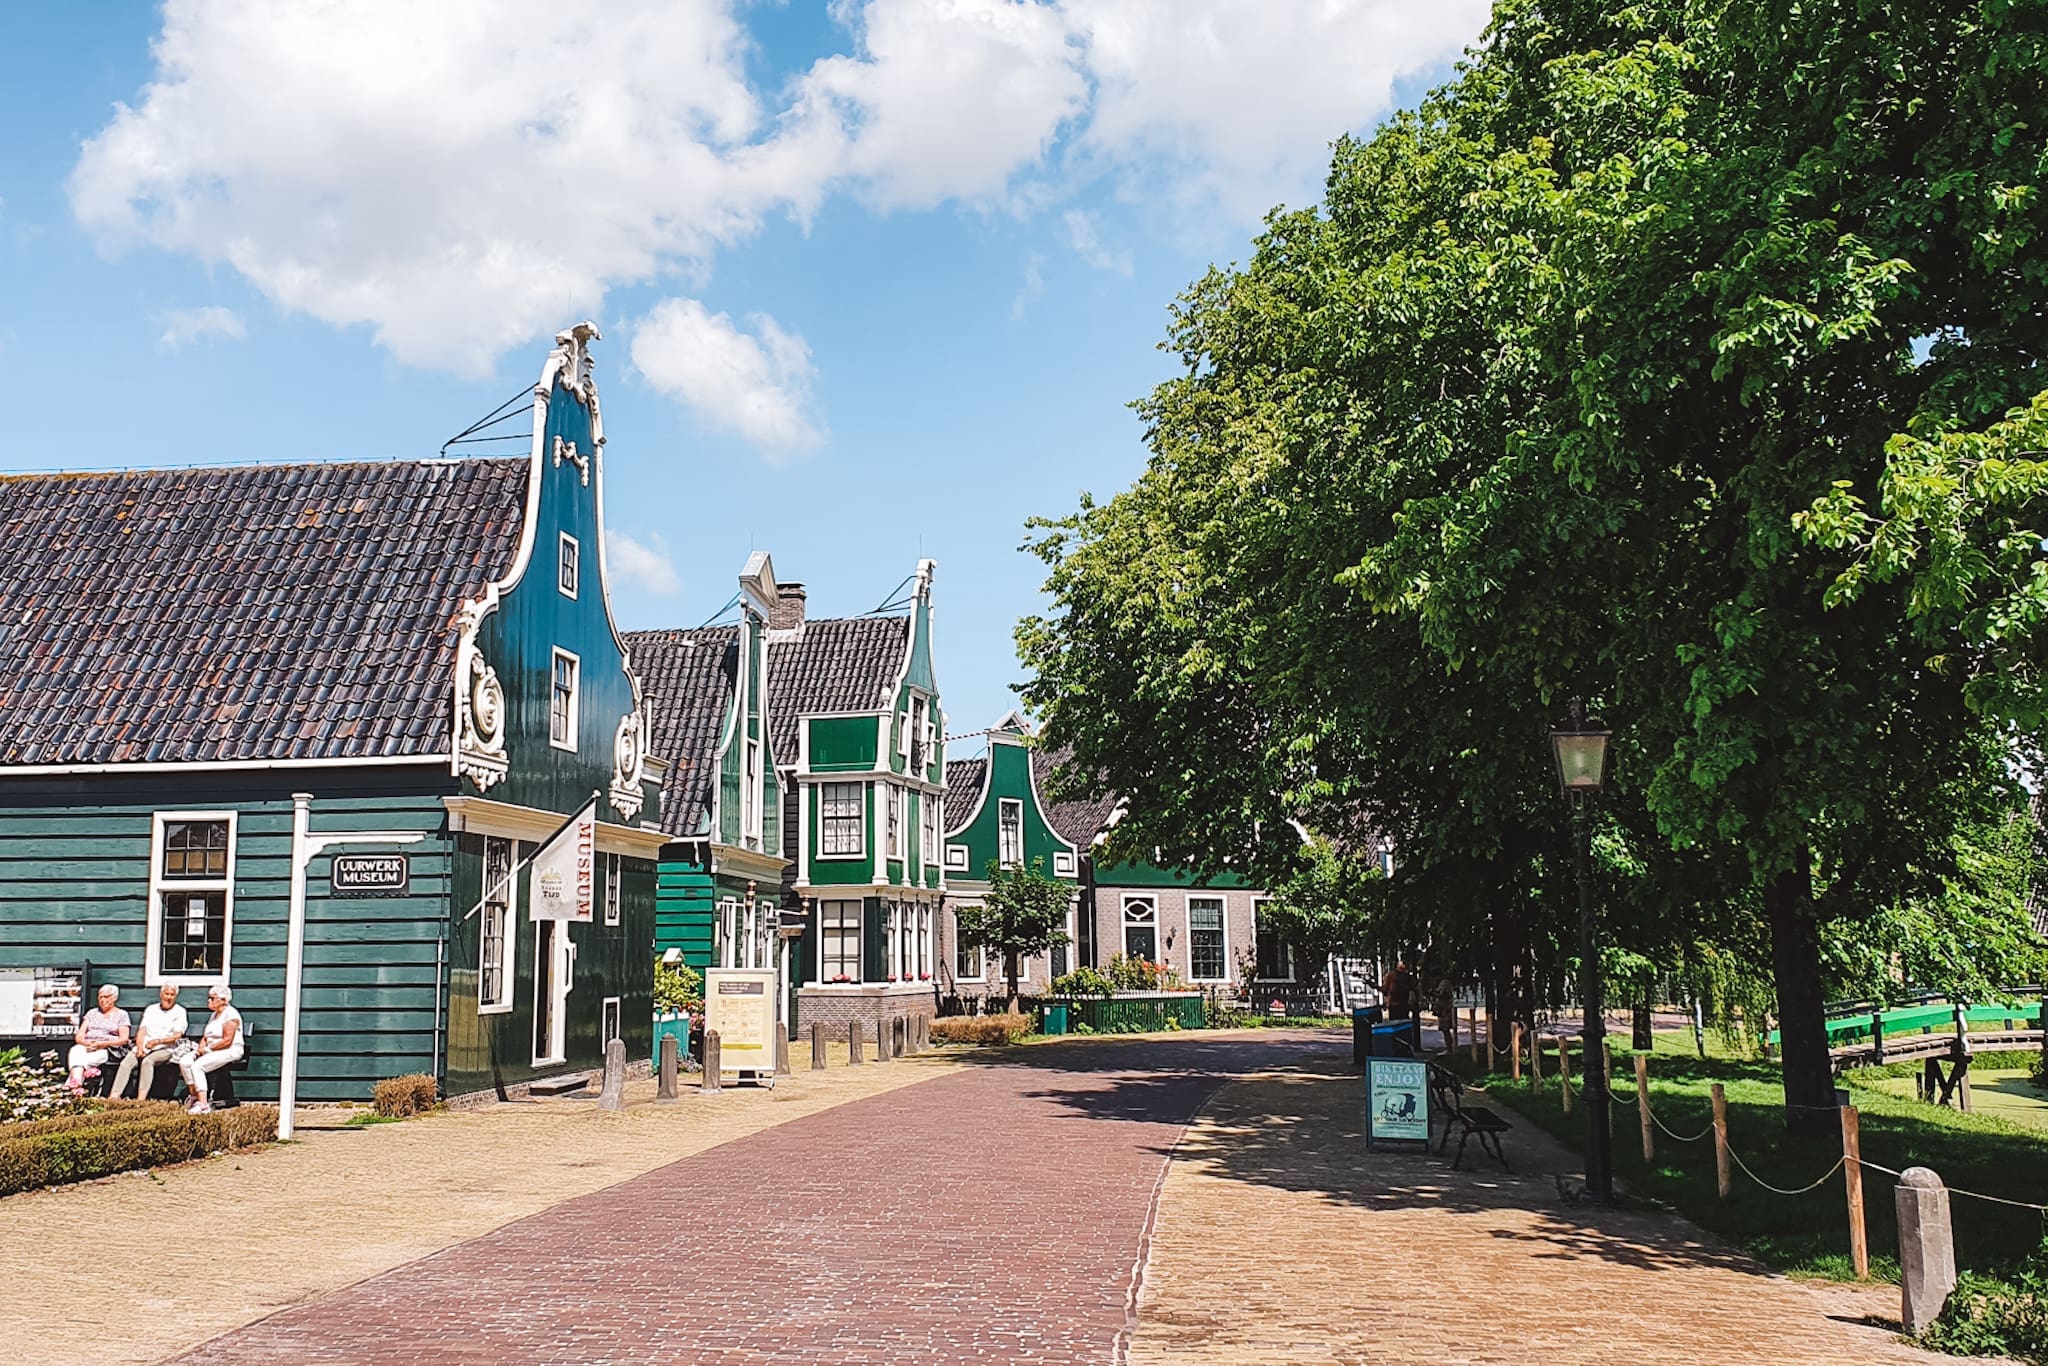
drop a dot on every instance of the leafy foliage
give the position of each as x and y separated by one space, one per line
1140 974
678 989
1024 912
33 1088
1083 981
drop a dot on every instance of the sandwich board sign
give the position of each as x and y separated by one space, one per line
1396 1101
739 1003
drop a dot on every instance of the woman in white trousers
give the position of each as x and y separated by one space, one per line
222 1043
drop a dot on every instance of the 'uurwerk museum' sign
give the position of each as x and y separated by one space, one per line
371 874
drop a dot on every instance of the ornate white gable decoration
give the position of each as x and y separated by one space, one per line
629 761
570 363
479 703
566 450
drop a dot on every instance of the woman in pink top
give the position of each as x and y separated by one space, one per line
102 1030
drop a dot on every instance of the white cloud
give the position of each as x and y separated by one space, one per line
756 386
644 563
1033 287
1087 244
461 178
183 326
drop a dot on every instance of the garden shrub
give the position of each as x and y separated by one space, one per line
398 1097
1139 974
1986 1316
1083 981
678 989
103 1113
33 1087
981 1029
125 1141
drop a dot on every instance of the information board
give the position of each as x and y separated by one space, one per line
1396 1101
739 1004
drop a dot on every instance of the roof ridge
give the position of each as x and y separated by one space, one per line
240 466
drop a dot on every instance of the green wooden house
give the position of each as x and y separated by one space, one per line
858 731
719 897
994 813
232 700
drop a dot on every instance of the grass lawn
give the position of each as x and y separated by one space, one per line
1809 1232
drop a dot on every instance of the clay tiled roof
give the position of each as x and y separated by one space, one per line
1078 823
963 790
688 679
257 613
831 664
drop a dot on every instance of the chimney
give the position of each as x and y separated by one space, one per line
789 608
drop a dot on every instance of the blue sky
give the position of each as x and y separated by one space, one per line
878 280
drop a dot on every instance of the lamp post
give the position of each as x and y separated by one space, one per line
1581 754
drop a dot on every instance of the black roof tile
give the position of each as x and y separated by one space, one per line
963 790
832 664
224 614
688 679
1077 822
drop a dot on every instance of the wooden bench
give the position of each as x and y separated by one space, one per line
1448 1094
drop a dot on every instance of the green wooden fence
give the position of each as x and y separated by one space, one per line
1135 1012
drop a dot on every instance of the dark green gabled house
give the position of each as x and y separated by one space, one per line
720 891
216 683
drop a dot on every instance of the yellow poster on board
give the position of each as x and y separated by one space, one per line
739 1005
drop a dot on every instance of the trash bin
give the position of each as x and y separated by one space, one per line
1394 1039
1363 1018
1056 1018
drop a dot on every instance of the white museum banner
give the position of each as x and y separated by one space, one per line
565 870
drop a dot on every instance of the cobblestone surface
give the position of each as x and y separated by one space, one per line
1281 1239
992 1214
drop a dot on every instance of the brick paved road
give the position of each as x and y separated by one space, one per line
994 1214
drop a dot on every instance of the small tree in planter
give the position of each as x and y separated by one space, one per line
1024 912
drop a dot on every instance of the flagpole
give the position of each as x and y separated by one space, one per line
513 872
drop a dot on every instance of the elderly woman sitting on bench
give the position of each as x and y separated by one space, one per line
221 1043
99 1033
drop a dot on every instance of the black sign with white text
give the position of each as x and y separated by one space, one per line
371 874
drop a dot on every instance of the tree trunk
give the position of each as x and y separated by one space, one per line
1012 970
1639 1038
1802 1021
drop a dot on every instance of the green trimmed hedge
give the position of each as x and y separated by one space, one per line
103 1113
118 1140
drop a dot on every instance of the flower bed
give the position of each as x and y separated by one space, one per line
53 1151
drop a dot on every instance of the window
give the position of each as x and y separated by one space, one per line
562 702
928 828
750 802
924 942
1063 865
191 896
614 871
1010 832
1141 928
1275 956
843 822
729 932
608 1020
565 576
1205 938
493 980
920 740
969 964
956 856
839 941
895 798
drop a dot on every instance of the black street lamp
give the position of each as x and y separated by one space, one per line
1581 754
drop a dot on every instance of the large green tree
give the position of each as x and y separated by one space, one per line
1527 408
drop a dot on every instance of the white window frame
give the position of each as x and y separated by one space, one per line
1124 923
1223 928
614 872
725 950
575 696
750 799
828 929
956 857
928 828
611 1021
568 566
1062 864
1004 805
159 886
894 806
508 942
960 944
1293 968
860 816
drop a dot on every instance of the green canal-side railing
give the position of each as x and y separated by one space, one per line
1928 1019
1133 1012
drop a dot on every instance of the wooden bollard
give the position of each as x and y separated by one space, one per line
1852 1173
1927 1249
817 1046
1535 1061
1722 1180
671 1061
1492 1049
1607 1061
781 1049
854 1035
1515 1066
1643 1107
881 1041
1472 1033
712 1065
1564 1073
612 1096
